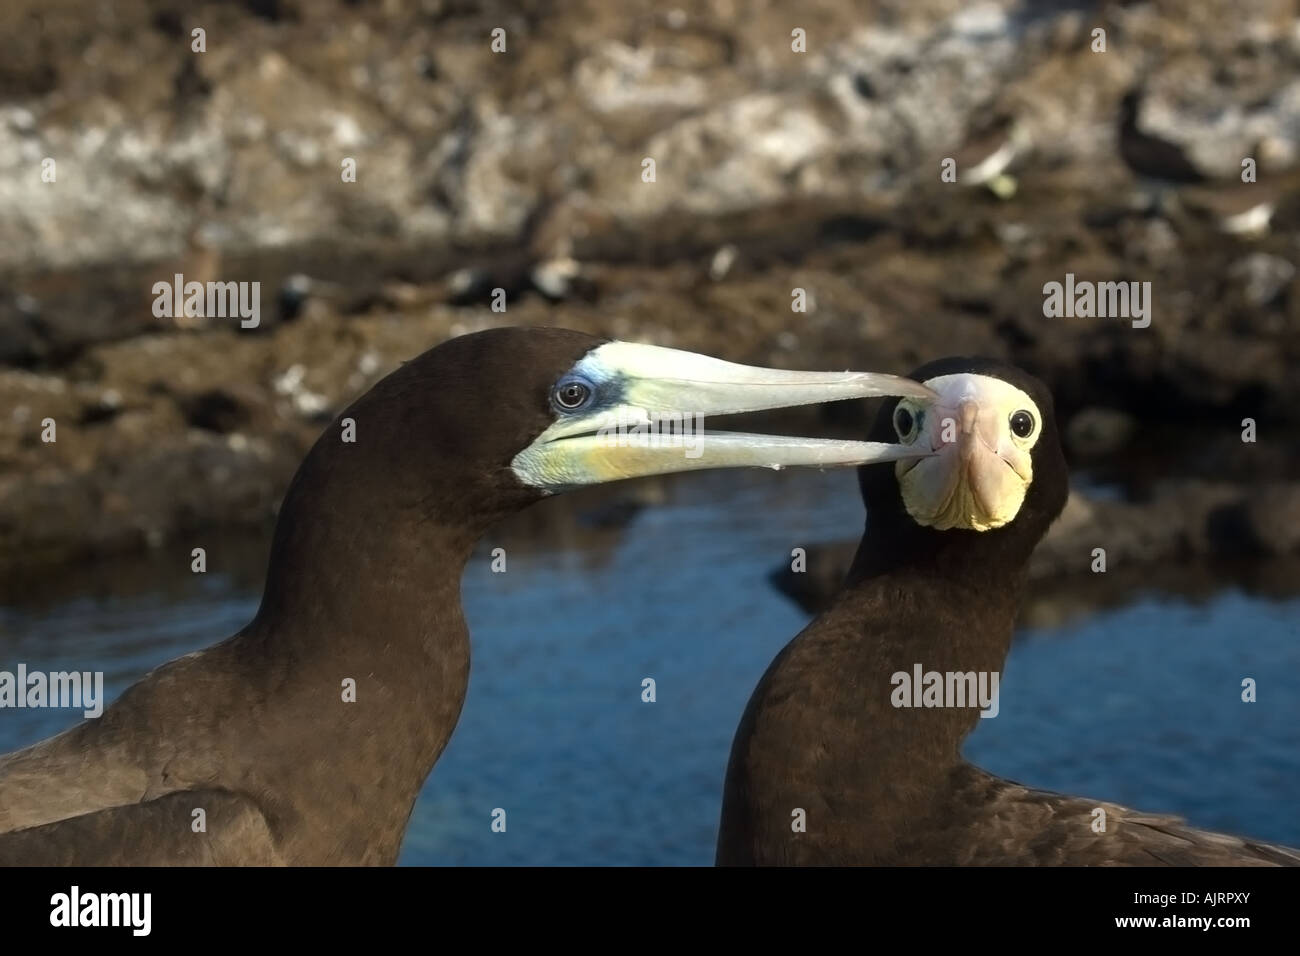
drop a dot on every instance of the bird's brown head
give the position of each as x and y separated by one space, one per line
487 423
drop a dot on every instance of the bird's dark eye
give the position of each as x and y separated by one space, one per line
1022 424
571 395
904 421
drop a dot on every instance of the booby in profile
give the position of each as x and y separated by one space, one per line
870 769
1234 207
259 737
1149 156
986 157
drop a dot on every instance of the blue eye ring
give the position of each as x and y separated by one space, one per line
570 394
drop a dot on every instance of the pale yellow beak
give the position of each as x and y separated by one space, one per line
980 469
650 405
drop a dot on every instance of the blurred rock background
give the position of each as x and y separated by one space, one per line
522 170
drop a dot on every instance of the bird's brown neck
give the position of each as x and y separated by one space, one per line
359 657
839 722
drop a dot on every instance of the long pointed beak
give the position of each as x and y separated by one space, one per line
654 422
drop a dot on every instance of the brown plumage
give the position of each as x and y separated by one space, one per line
884 785
364 583
1149 155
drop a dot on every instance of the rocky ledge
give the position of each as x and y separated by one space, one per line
522 170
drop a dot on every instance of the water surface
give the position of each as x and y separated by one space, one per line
1138 704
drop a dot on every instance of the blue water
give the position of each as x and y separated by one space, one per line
1140 705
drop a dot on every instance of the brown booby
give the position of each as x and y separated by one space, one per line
305 738
1149 156
849 752
1234 207
988 154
